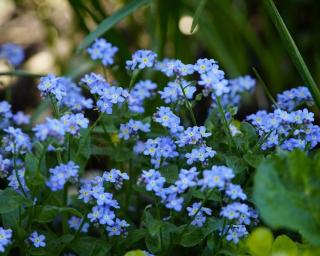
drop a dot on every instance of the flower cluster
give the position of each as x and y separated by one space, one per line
132 128
168 119
13 53
61 174
291 99
5 238
218 178
139 92
288 130
141 59
52 86
108 95
57 128
160 149
103 50
94 192
173 93
16 142
237 87
75 223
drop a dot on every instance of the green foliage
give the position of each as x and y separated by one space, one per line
293 51
286 189
109 22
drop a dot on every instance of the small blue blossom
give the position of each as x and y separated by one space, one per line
13 53
118 228
95 82
141 59
51 128
205 65
51 85
235 191
103 50
61 174
75 222
14 183
38 240
21 118
5 238
216 177
192 135
201 154
291 99
131 129
167 119
16 142
235 233
74 122
172 92
166 66
198 212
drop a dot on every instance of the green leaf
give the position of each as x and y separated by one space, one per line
153 225
153 243
21 73
90 246
109 22
260 242
48 213
293 50
283 245
284 198
196 15
192 237
11 200
34 179
135 253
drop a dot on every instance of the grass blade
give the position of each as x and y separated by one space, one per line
264 86
109 22
20 73
293 50
197 13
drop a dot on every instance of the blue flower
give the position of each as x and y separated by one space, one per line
192 135
5 238
38 240
51 85
166 118
14 183
205 65
132 128
235 191
173 93
141 59
13 53
74 98
74 122
103 50
95 82
75 222
216 177
52 128
118 228
291 99
16 142
174 203
61 174
236 232
200 218
201 154
5 110
187 179
166 66
21 118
